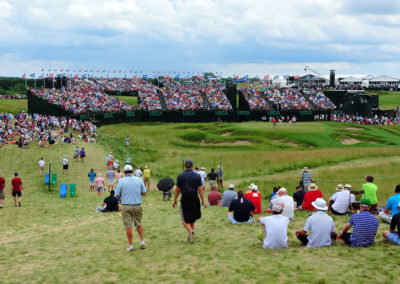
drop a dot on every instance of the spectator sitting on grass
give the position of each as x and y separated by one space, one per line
310 196
320 225
286 201
228 196
274 229
110 204
241 208
339 202
214 197
392 235
365 227
298 196
391 208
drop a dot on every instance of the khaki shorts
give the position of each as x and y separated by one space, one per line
131 214
212 182
146 179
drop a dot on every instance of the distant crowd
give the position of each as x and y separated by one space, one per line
23 129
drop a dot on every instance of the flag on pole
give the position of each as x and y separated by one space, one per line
266 77
33 75
76 76
297 77
42 70
51 76
24 75
276 77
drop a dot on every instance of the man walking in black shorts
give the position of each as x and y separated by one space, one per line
16 189
189 184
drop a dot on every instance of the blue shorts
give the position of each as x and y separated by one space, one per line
394 238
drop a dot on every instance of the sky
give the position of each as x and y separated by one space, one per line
244 37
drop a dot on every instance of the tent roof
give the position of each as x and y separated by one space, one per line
368 77
384 78
351 79
312 77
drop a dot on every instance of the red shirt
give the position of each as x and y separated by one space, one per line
214 197
2 183
255 198
16 184
309 197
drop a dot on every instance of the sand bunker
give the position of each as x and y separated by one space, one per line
226 133
235 143
350 141
287 143
355 128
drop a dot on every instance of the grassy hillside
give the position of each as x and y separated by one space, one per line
13 106
387 100
64 241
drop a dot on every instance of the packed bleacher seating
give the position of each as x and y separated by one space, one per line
23 129
319 100
254 96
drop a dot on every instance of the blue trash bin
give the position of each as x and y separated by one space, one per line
63 190
46 178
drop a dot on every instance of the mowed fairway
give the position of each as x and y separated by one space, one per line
54 240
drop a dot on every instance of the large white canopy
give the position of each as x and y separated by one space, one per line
351 80
383 79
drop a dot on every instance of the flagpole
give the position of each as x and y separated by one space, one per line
35 82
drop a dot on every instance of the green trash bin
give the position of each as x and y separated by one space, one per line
72 189
53 178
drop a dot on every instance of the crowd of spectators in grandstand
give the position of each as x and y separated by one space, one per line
255 98
359 119
23 129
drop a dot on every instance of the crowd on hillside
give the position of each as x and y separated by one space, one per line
23 129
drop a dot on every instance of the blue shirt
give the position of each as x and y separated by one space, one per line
91 176
130 188
365 227
393 204
321 226
306 177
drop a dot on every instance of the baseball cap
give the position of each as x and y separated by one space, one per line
15 173
347 185
365 201
128 168
254 188
231 186
188 163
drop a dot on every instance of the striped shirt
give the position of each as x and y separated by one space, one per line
365 227
306 178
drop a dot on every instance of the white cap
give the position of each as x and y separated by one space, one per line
231 186
254 188
128 168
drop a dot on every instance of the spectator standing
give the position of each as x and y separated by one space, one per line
65 163
110 178
212 179
241 208
370 190
220 177
41 164
274 229
146 177
2 186
190 186
306 178
365 227
392 235
126 141
92 176
82 154
118 175
131 189
138 172
310 197
99 185
228 196
17 189
320 225
76 153
203 175
391 208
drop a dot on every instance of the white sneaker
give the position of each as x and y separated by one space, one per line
143 245
130 248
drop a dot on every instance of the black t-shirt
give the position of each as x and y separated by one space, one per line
395 223
212 176
241 211
112 203
188 182
298 196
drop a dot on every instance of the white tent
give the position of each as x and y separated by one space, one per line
351 80
384 80
368 77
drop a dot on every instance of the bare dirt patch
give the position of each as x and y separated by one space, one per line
227 133
350 141
235 143
354 128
